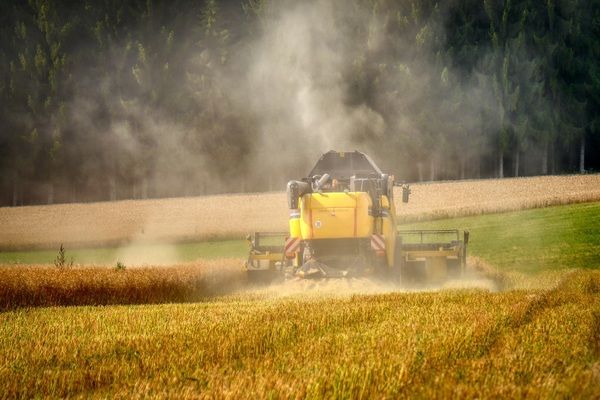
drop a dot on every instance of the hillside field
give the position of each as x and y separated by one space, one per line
192 219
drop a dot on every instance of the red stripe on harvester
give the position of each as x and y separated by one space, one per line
291 244
377 243
380 241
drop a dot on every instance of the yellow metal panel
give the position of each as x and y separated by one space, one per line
364 220
334 199
388 229
333 222
335 215
306 229
295 227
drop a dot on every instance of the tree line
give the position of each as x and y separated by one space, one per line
107 99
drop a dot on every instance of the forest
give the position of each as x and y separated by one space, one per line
110 99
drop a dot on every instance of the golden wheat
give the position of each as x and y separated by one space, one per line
455 344
206 217
463 198
43 285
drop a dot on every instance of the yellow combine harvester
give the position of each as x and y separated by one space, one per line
343 223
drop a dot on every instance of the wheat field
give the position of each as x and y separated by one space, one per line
199 331
536 343
45 285
233 216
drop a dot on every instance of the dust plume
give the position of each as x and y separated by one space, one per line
477 276
298 83
344 287
245 111
140 253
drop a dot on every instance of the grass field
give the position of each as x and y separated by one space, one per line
559 237
139 254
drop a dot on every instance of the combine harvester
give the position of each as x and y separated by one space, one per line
343 223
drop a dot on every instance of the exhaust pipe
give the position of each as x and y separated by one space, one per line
296 189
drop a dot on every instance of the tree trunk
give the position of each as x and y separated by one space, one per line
462 167
545 159
501 165
50 193
582 155
112 187
432 169
552 159
420 171
144 188
73 193
15 197
516 162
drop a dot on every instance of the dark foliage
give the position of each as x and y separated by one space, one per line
106 100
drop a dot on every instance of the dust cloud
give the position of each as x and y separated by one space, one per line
475 278
344 287
139 253
262 106
297 80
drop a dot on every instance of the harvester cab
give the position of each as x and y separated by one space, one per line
342 222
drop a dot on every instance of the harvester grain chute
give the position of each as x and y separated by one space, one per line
342 223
